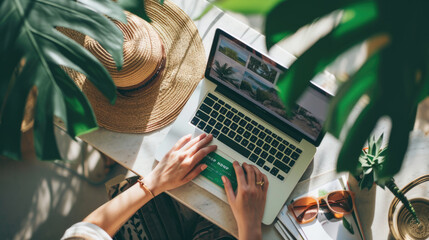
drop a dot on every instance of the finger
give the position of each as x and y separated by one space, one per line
194 173
197 146
259 177
228 190
266 184
201 154
179 144
193 141
241 179
250 172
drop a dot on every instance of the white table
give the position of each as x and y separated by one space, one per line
136 151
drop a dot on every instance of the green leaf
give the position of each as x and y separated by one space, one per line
348 226
136 7
247 6
349 93
38 49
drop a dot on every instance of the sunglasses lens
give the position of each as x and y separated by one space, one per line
340 201
305 209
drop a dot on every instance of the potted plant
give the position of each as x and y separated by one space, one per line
371 163
33 53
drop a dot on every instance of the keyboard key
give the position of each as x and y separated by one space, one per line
253 138
257 150
212 121
195 121
295 156
274 171
254 123
201 125
288 151
244 142
298 150
273 151
264 155
286 159
268 139
229 114
234 126
240 114
260 162
236 119
261 127
251 146
209 101
253 158
281 166
205 108
275 143
259 142
266 168
227 106
240 130
280 177
292 146
220 118
238 138
208 129
225 130
214 114
213 97
282 147
256 131
218 126
231 134
266 147
285 142
223 110
246 134
230 143
227 122
291 163
216 106
243 122
270 159
268 131
215 133
221 102
274 135
249 126
234 110
279 155
279 139
262 135
247 118
202 116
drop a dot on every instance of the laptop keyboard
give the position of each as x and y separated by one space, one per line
246 136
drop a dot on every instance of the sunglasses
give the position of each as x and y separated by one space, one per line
306 209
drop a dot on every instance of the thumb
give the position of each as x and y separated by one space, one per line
228 190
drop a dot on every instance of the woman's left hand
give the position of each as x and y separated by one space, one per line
181 164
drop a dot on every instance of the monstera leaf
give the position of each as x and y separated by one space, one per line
31 53
395 77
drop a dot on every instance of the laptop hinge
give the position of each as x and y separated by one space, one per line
260 112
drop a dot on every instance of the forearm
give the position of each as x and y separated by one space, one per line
113 214
250 234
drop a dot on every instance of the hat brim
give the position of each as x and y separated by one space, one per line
160 102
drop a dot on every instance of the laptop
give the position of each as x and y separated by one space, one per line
237 103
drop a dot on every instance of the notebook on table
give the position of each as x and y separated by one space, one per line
238 104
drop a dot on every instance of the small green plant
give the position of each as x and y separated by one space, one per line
371 162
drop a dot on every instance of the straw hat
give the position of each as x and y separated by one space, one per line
163 63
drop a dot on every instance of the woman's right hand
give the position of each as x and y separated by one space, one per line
248 202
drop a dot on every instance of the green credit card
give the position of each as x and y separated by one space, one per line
217 167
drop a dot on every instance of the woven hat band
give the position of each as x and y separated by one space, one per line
143 50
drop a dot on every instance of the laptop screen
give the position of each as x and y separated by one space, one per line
253 76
